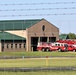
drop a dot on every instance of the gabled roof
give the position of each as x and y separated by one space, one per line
8 36
17 24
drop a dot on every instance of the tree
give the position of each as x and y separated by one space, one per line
72 36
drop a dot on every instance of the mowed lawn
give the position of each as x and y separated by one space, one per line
38 62
35 54
40 73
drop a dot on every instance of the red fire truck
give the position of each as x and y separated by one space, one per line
71 44
43 46
60 45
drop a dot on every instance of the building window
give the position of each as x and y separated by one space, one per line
15 45
24 46
19 45
11 45
43 28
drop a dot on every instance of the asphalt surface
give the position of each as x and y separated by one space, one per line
19 57
38 69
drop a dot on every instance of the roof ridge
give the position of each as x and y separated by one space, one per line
20 20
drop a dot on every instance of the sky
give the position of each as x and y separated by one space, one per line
65 23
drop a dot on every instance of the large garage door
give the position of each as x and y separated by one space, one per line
34 42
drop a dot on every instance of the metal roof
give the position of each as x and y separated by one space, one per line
17 24
8 36
63 37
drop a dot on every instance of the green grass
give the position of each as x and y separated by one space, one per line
37 54
54 62
35 62
40 73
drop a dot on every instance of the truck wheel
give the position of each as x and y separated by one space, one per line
47 49
74 50
43 49
59 50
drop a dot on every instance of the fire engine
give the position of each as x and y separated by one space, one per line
48 46
71 44
60 45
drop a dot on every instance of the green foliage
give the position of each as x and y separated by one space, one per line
70 35
63 34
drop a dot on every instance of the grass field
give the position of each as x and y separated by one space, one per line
37 54
40 73
38 62
34 62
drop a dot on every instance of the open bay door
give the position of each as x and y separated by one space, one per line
34 42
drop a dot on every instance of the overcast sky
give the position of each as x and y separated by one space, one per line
66 23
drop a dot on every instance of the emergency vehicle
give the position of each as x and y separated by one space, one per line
48 46
60 45
71 44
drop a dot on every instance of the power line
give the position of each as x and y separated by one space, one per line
37 15
38 9
39 3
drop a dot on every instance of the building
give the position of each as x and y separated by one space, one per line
24 35
10 42
63 37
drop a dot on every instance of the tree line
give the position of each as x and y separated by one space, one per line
70 35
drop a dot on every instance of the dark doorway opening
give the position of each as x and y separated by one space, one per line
34 42
2 47
52 39
43 39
